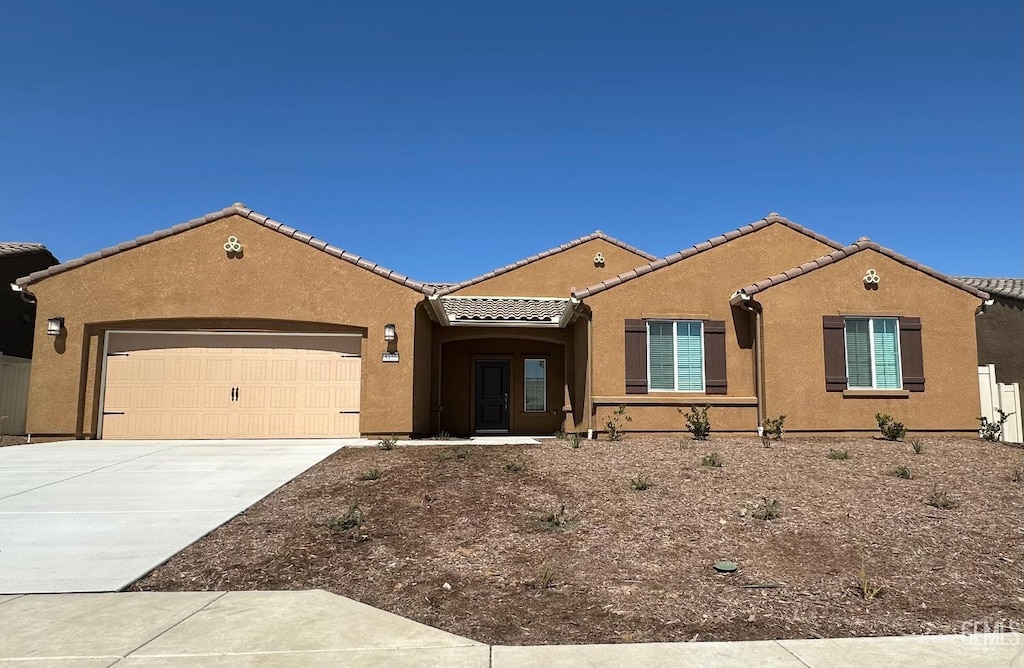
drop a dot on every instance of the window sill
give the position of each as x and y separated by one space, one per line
876 394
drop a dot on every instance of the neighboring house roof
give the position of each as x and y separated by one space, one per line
860 245
237 209
1011 288
9 248
503 310
540 256
771 218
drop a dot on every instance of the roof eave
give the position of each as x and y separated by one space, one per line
238 209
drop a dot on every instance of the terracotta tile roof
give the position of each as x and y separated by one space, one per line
238 209
504 309
539 256
1012 288
8 248
861 244
771 218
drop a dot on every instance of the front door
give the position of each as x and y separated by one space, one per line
492 386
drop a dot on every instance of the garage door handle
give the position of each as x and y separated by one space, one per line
113 412
234 394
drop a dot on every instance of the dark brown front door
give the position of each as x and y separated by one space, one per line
492 388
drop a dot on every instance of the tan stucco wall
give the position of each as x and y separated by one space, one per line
556 275
457 369
278 282
698 287
794 347
1001 339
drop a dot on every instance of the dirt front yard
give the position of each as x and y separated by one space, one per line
459 538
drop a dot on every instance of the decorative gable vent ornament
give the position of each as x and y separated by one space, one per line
599 259
871 277
233 247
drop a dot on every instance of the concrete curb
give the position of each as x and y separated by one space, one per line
312 628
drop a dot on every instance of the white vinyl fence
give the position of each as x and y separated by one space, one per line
1003 396
13 394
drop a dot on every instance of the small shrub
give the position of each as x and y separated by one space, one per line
697 422
838 454
766 440
615 423
640 483
902 471
388 443
372 474
712 459
352 518
456 454
517 465
993 430
941 500
891 430
575 441
1017 475
556 521
868 590
547 579
918 446
443 436
773 427
768 509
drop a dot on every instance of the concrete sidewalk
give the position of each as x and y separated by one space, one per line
316 628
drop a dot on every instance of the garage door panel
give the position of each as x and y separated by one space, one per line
181 386
280 424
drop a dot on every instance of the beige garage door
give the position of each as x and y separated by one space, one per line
230 385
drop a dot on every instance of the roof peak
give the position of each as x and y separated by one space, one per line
770 219
861 244
239 210
597 234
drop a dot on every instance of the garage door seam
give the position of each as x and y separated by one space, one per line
79 475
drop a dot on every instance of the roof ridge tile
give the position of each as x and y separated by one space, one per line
848 251
770 219
597 234
236 209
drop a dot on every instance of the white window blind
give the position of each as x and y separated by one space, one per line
675 356
873 353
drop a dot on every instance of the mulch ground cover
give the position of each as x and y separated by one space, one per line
551 544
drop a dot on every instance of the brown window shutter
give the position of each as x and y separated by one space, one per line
636 357
714 357
835 352
911 355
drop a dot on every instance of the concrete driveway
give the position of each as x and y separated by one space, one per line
85 516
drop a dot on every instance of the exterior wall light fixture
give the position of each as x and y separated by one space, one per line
390 334
54 326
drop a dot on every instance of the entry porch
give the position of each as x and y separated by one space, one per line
508 365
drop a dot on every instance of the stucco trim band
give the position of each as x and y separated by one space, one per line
674 400
236 209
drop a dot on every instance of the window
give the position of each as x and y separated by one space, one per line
536 385
675 356
873 353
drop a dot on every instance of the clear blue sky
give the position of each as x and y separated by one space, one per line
442 139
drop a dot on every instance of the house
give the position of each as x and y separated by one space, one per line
17 316
234 325
1001 331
